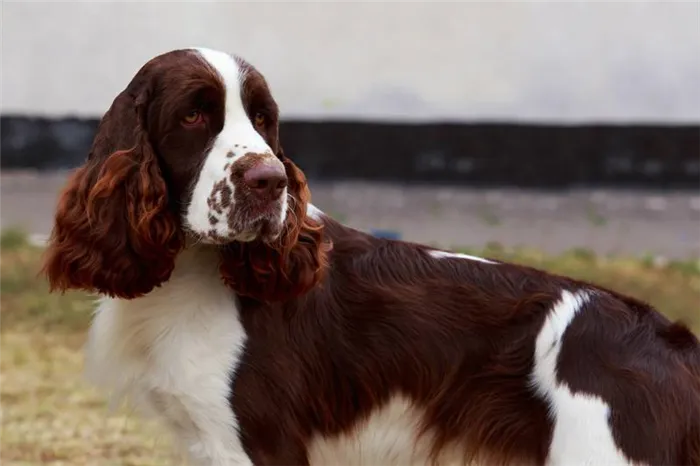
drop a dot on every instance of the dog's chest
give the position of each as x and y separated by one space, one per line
195 357
189 348
173 354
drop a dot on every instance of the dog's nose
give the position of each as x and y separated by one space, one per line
266 181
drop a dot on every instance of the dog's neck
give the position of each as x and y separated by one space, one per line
193 295
196 268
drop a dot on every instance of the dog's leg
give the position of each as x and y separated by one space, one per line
208 433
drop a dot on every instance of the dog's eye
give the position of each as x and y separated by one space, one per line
193 118
260 119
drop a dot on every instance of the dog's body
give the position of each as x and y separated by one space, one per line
403 355
261 331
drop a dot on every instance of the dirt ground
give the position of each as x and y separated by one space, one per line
607 222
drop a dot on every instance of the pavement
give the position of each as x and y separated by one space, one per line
604 221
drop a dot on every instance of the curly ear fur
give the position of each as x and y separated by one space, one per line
114 232
291 266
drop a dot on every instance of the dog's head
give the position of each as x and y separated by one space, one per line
188 153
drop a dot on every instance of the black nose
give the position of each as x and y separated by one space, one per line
266 181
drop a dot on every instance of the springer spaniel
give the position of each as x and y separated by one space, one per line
261 331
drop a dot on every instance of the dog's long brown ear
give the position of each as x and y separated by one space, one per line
114 232
291 266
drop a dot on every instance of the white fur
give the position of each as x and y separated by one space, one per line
237 136
314 212
455 255
388 437
582 434
173 353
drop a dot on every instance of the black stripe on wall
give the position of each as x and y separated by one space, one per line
474 154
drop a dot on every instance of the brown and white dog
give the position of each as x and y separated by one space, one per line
261 331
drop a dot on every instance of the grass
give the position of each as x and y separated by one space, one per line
12 239
50 416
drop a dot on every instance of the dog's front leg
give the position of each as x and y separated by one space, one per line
208 433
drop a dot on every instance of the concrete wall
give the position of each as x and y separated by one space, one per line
605 61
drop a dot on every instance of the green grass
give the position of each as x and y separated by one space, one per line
24 298
12 239
51 417
49 414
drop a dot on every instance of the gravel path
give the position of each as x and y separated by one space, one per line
627 222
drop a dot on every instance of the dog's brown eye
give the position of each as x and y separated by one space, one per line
193 118
260 119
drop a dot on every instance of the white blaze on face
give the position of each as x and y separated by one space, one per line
237 138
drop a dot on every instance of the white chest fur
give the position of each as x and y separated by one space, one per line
173 353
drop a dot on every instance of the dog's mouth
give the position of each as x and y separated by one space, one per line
264 229
244 223
263 222
243 228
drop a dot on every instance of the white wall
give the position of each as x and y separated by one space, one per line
553 61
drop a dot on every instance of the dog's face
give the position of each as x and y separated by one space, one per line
213 125
188 151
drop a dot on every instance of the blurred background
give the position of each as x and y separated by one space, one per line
556 134
553 125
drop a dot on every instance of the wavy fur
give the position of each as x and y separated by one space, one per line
114 232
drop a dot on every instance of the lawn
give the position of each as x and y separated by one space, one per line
50 416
